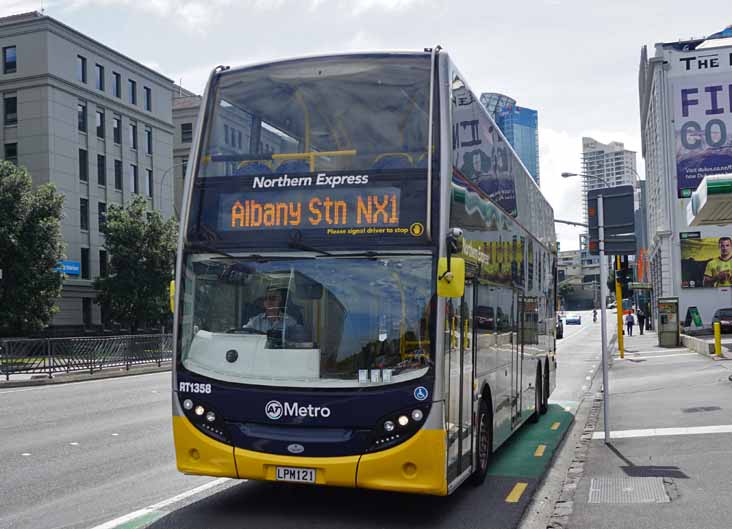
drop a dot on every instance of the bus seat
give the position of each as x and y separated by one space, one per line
252 167
393 160
293 166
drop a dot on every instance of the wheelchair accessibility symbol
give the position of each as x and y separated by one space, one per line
421 393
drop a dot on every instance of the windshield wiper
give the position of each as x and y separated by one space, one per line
297 245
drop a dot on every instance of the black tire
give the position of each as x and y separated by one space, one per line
485 443
537 396
545 388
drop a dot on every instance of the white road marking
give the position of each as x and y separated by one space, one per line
74 443
115 434
160 505
661 356
662 432
588 378
25 454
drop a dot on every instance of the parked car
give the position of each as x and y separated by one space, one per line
560 327
573 319
724 317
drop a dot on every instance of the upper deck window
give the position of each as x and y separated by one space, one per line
326 114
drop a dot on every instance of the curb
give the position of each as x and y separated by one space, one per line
565 504
67 378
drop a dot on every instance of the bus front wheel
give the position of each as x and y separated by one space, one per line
485 443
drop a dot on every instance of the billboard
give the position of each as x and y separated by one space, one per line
705 262
701 85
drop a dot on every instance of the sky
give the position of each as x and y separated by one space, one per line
575 61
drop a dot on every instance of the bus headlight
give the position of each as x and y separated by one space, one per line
403 420
199 410
187 404
417 415
210 416
388 426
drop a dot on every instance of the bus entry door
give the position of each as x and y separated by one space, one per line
459 346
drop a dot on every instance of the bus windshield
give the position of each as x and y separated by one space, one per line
347 113
307 322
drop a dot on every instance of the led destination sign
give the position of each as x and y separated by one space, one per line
386 207
335 208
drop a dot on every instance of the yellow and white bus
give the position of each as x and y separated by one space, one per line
365 278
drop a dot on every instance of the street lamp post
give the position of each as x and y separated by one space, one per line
603 317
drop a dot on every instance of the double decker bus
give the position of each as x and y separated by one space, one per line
365 278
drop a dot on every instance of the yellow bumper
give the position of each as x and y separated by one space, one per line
416 466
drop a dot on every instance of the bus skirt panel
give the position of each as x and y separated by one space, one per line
197 453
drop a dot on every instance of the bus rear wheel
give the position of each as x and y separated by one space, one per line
545 388
485 443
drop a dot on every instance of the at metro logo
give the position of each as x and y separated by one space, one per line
276 410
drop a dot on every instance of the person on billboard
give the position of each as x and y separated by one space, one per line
718 272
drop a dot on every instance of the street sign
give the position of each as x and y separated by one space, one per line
618 221
635 285
70 268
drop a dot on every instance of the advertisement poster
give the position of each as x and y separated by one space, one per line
702 92
706 262
481 154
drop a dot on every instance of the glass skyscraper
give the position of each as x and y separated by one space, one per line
520 125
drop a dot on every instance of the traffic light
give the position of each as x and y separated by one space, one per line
625 273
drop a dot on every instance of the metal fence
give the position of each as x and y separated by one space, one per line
54 355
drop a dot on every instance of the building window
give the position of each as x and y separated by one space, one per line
102 214
148 98
102 263
85 264
81 68
11 153
10 64
117 89
148 140
118 174
133 135
11 109
117 129
186 132
149 184
101 170
238 133
134 183
84 213
100 77
86 312
81 114
226 134
100 124
83 165
185 167
132 91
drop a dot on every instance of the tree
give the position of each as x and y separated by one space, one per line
30 249
142 246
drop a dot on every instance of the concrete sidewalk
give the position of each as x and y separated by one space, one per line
669 459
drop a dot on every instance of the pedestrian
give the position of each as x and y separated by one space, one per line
629 323
641 320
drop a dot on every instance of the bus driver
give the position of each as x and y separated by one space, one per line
273 317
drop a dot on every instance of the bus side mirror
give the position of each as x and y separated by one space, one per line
451 270
172 296
451 277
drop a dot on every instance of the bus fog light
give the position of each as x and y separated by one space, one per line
417 415
188 404
210 416
389 426
403 420
199 410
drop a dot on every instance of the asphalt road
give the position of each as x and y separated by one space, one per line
82 454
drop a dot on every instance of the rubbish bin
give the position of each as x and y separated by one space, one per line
668 322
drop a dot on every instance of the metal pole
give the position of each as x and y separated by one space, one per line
619 308
603 319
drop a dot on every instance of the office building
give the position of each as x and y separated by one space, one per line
685 128
520 126
93 122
